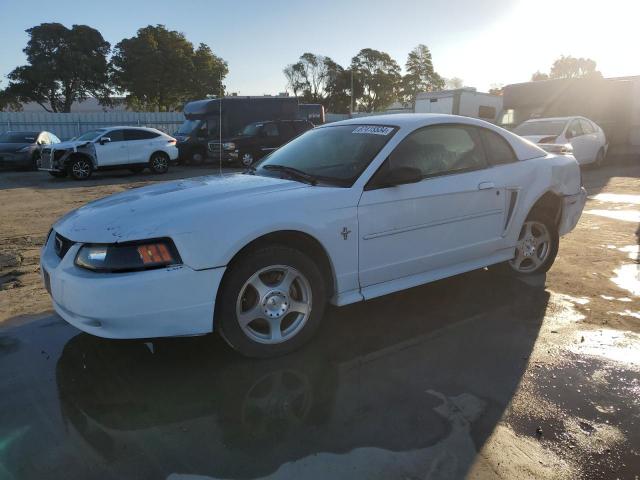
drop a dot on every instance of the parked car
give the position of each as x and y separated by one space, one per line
22 149
346 212
223 118
574 135
134 148
258 139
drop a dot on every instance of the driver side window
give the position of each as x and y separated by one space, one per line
440 150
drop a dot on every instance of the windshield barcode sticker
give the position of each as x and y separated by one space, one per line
373 130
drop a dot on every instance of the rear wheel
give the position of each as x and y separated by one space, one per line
271 302
159 163
599 159
197 156
537 246
80 169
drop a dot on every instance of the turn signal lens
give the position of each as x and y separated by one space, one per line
155 254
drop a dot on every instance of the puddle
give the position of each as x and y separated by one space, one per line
632 250
628 278
627 313
614 345
625 215
616 198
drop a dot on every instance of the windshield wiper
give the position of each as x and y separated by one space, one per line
293 173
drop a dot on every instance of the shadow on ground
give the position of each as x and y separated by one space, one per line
410 383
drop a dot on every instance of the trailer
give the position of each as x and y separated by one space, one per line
613 103
462 101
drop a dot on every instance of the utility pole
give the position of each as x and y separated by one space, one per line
351 103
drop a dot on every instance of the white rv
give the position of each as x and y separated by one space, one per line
462 101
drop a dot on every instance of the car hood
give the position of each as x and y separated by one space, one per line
69 144
167 208
12 147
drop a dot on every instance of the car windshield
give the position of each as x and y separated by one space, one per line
90 135
336 154
188 126
18 137
542 127
252 129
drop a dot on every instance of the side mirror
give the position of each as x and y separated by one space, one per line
104 140
398 176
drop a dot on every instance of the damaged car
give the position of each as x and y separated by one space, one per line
132 148
346 212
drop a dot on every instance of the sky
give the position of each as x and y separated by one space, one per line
484 42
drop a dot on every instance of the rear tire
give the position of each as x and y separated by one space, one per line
537 246
271 302
599 159
197 156
80 169
159 163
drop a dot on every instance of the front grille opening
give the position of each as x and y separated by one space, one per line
62 245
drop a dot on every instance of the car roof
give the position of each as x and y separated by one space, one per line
410 120
555 119
108 129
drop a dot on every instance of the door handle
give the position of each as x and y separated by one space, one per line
486 185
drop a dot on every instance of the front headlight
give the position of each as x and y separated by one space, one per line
128 257
229 146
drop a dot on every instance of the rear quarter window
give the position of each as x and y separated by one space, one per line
498 150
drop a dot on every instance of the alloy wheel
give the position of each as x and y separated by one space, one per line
81 169
274 304
247 159
533 248
159 163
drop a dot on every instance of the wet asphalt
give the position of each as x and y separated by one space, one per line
478 376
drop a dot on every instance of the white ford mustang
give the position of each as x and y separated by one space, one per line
346 212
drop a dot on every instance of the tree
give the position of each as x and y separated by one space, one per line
539 76
318 79
570 67
159 69
420 76
64 65
453 83
377 79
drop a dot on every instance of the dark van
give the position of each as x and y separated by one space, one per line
215 119
257 140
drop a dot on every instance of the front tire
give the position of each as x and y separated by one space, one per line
537 245
246 159
271 302
159 163
80 169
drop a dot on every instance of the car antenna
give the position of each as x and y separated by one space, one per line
220 125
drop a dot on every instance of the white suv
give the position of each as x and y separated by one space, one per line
134 148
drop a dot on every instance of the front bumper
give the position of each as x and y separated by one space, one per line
167 302
572 206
